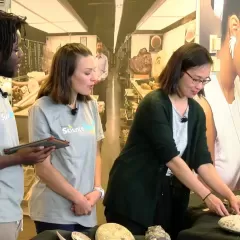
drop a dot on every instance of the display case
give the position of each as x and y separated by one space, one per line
138 89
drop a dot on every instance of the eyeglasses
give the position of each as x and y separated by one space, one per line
197 81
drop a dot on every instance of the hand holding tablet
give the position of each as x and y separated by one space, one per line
35 152
32 155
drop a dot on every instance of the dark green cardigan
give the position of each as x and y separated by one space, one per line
137 172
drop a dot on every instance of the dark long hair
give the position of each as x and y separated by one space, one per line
9 25
58 85
187 56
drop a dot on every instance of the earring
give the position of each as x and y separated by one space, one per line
232 44
175 86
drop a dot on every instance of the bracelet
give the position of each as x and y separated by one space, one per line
207 196
99 189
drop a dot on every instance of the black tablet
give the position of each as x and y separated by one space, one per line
48 142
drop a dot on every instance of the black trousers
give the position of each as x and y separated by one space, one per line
172 206
170 211
101 90
44 226
134 227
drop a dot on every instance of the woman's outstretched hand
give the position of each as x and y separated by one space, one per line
216 205
235 204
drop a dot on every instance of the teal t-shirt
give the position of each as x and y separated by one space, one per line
11 178
76 163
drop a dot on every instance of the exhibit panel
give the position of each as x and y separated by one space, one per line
219 28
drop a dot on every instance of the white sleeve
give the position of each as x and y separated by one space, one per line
105 73
98 123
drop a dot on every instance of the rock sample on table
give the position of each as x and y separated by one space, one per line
228 206
230 223
114 231
156 233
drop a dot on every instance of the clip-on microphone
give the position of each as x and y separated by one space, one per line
4 94
184 119
74 111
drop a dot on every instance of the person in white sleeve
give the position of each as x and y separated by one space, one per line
222 108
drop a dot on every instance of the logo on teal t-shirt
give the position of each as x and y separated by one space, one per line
82 129
6 115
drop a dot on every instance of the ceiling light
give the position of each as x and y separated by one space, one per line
48 27
62 19
159 16
118 18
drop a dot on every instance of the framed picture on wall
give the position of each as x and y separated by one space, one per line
83 40
155 44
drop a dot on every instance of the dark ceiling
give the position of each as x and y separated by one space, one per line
99 16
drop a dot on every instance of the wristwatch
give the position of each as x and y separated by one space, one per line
101 190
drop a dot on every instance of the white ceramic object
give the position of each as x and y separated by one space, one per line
60 236
79 236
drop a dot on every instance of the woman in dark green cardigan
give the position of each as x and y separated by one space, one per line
150 182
